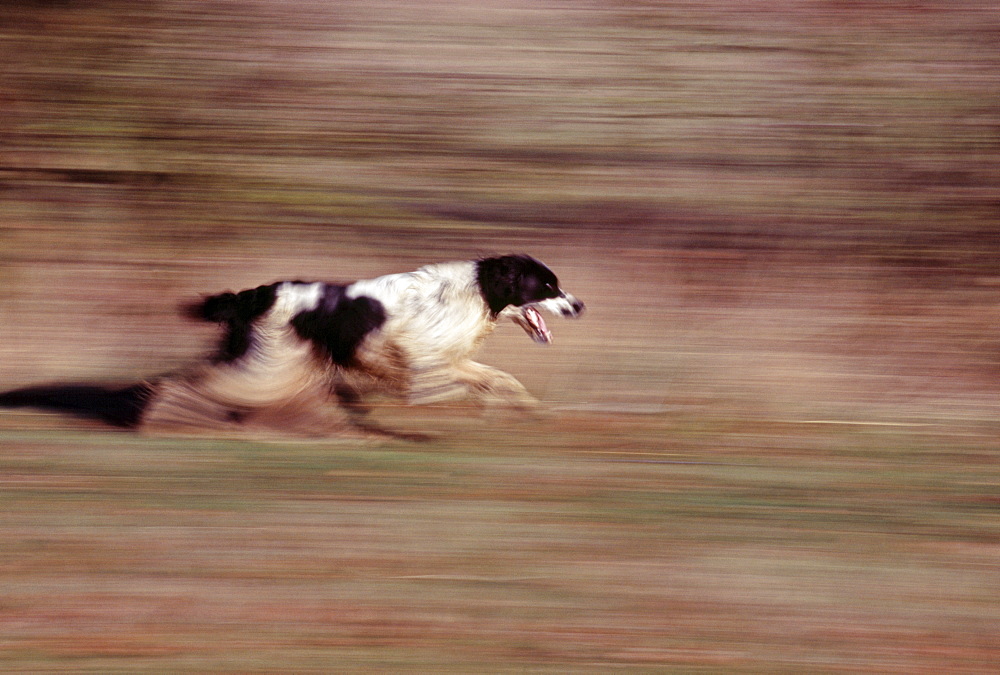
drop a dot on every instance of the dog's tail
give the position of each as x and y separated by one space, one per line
220 308
236 312
121 407
233 307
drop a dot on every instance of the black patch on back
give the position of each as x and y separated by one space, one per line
236 311
514 280
119 407
338 324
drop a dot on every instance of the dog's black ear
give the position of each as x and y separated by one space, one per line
513 280
499 280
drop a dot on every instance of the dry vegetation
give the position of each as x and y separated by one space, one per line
773 447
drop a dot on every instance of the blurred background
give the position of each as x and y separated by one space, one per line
778 212
783 204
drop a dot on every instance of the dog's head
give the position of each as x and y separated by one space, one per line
518 286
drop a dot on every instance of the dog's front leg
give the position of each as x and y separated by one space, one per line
434 382
492 386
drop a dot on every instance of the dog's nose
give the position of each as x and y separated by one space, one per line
575 307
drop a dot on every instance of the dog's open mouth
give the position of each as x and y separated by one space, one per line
533 324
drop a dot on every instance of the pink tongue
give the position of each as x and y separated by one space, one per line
540 332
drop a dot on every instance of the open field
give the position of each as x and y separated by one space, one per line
647 542
772 439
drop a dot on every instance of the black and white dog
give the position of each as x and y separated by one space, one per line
301 356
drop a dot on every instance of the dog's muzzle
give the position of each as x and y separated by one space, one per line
530 319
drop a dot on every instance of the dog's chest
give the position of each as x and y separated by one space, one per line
435 313
455 326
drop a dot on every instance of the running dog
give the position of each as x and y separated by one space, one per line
302 357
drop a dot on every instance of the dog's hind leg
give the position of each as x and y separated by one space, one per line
122 407
179 406
186 405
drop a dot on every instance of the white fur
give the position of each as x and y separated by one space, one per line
435 319
561 306
296 297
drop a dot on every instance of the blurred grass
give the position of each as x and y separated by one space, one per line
632 542
781 215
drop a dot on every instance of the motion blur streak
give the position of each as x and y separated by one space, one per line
782 216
